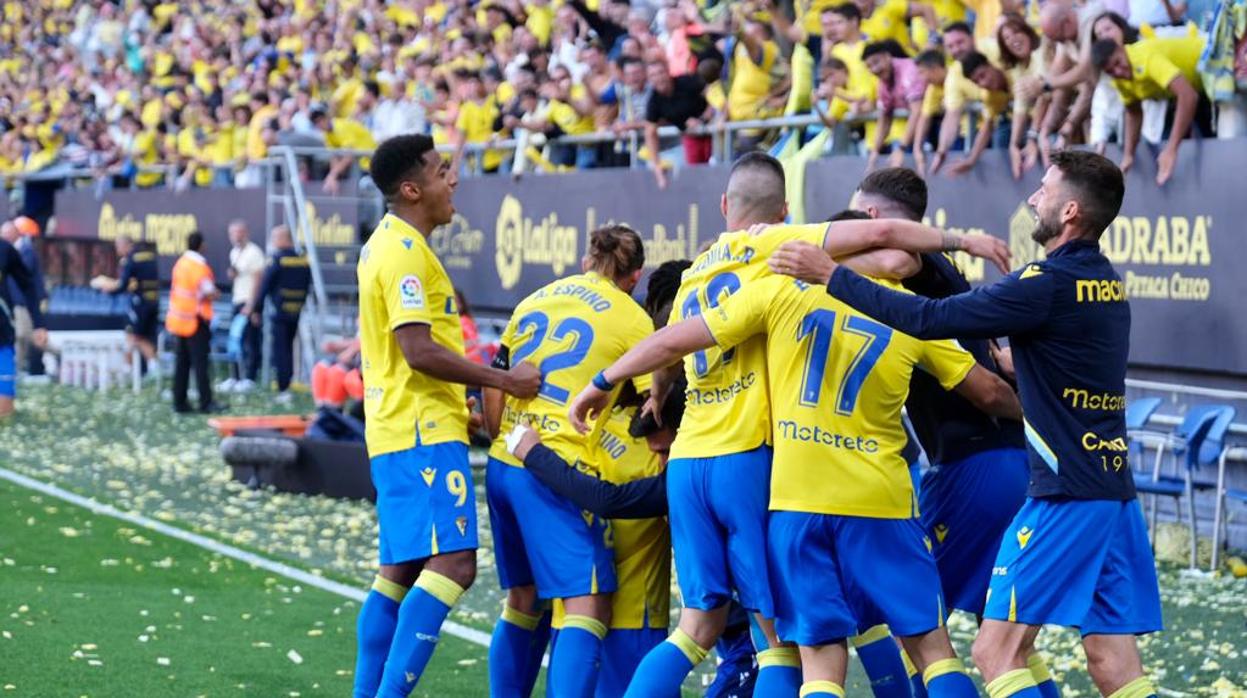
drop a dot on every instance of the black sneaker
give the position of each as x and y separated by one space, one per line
182 409
212 408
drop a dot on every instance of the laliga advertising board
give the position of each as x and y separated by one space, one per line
1177 249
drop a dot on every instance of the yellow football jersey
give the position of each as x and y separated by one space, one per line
401 281
642 546
727 389
570 330
838 381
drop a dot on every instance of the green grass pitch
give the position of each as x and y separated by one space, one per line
80 592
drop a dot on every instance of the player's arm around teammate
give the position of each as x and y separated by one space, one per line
1079 555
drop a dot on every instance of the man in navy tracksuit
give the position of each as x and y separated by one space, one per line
1077 554
285 286
140 279
12 268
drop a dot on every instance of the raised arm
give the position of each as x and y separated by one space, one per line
1183 114
846 237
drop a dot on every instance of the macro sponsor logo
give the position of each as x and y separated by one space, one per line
1099 290
457 243
1083 399
521 241
791 430
167 231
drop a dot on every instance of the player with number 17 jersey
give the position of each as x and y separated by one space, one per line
840 489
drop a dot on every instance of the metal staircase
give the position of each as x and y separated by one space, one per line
332 307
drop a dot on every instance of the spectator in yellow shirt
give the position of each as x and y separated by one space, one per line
475 123
1159 68
760 84
1023 55
933 67
569 112
346 134
997 96
143 149
889 19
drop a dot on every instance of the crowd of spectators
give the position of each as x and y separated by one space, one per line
151 92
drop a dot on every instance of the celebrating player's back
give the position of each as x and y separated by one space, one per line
838 381
840 488
545 547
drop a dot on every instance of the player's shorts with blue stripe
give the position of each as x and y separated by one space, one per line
1078 563
718 515
835 576
622 651
426 503
543 539
966 507
8 371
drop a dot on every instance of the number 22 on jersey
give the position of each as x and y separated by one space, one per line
568 328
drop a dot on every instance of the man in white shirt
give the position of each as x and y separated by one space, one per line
393 116
246 267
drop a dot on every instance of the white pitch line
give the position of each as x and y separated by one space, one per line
298 575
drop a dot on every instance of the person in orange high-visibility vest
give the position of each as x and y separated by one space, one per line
190 313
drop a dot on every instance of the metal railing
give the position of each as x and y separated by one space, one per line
721 133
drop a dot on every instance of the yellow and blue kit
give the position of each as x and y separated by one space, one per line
416 426
840 487
720 467
1077 553
570 330
978 475
141 280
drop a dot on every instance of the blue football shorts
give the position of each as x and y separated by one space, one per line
835 576
8 371
543 539
1078 563
966 507
426 503
718 515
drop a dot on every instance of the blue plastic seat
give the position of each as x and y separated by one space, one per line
1199 440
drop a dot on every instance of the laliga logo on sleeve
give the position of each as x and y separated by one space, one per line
411 293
